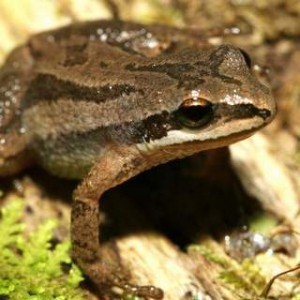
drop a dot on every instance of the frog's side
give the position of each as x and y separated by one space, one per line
104 101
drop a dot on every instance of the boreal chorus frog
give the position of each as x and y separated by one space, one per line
103 101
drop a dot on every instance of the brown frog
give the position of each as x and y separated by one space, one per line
103 101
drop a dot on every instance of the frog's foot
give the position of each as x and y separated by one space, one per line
113 281
146 291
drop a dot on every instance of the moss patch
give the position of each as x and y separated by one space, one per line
31 266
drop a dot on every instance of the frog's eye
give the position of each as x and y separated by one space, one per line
194 113
247 58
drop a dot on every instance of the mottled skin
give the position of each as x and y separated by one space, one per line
103 101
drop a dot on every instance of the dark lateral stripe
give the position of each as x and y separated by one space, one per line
48 87
152 128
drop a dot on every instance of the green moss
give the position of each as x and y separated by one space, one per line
244 278
31 267
262 223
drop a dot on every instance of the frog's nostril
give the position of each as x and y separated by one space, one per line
264 113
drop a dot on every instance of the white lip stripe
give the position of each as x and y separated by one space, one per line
176 137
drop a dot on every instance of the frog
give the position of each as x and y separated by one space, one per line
102 101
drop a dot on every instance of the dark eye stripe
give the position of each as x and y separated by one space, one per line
241 111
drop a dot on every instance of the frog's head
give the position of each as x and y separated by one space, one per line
218 101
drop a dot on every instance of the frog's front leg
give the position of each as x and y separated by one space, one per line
115 167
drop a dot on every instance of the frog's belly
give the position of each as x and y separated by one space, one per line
70 156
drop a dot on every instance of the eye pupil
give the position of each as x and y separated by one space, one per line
194 114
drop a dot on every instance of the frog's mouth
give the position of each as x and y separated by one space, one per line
166 149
